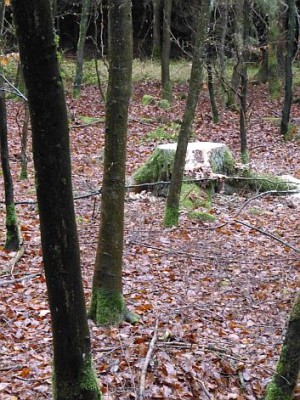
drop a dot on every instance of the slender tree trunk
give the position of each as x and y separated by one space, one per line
156 46
73 375
2 15
274 75
107 303
232 101
165 54
24 137
202 12
288 87
244 82
211 86
223 9
287 371
12 230
86 6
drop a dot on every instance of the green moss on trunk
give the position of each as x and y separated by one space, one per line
171 216
12 231
107 308
85 387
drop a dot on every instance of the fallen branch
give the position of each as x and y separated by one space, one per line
267 234
16 259
141 389
26 277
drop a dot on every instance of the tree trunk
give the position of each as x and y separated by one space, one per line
202 12
288 87
211 86
73 375
156 47
84 22
2 15
244 83
107 303
287 371
232 100
12 230
165 54
24 137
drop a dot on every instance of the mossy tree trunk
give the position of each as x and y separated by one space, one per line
165 54
73 374
244 82
84 22
288 87
107 303
12 230
274 73
2 14
287 371
156 23
202 13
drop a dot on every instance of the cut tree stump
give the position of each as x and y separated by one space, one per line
203 160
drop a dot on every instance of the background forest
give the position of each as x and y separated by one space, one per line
197 303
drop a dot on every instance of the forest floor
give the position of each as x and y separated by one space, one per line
219 296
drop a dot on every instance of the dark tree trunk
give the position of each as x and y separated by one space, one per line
244 82
12 230
107 303
2 14
156 46
73 375
288 87
287 371
165 54
24 137
202 12
84 22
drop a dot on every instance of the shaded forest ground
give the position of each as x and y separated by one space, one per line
220 295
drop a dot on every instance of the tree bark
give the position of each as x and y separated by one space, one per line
287 371
202 12
156 46
107 303
12 242
165 54
244 82
73 375
84 22
288 87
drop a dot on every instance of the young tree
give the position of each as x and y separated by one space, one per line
84 22
107 303
165 54
12 230
244 82
73 374
287 371
288 87
202 13
156 46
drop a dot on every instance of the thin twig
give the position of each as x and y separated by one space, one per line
140 395
26 277
268 234
16 259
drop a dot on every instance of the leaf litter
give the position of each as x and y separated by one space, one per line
220 296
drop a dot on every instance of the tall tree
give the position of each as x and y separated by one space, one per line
83 27
288 368
244 81
107 303
165 54
156 23
288 87
13 241
73 374
202 13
